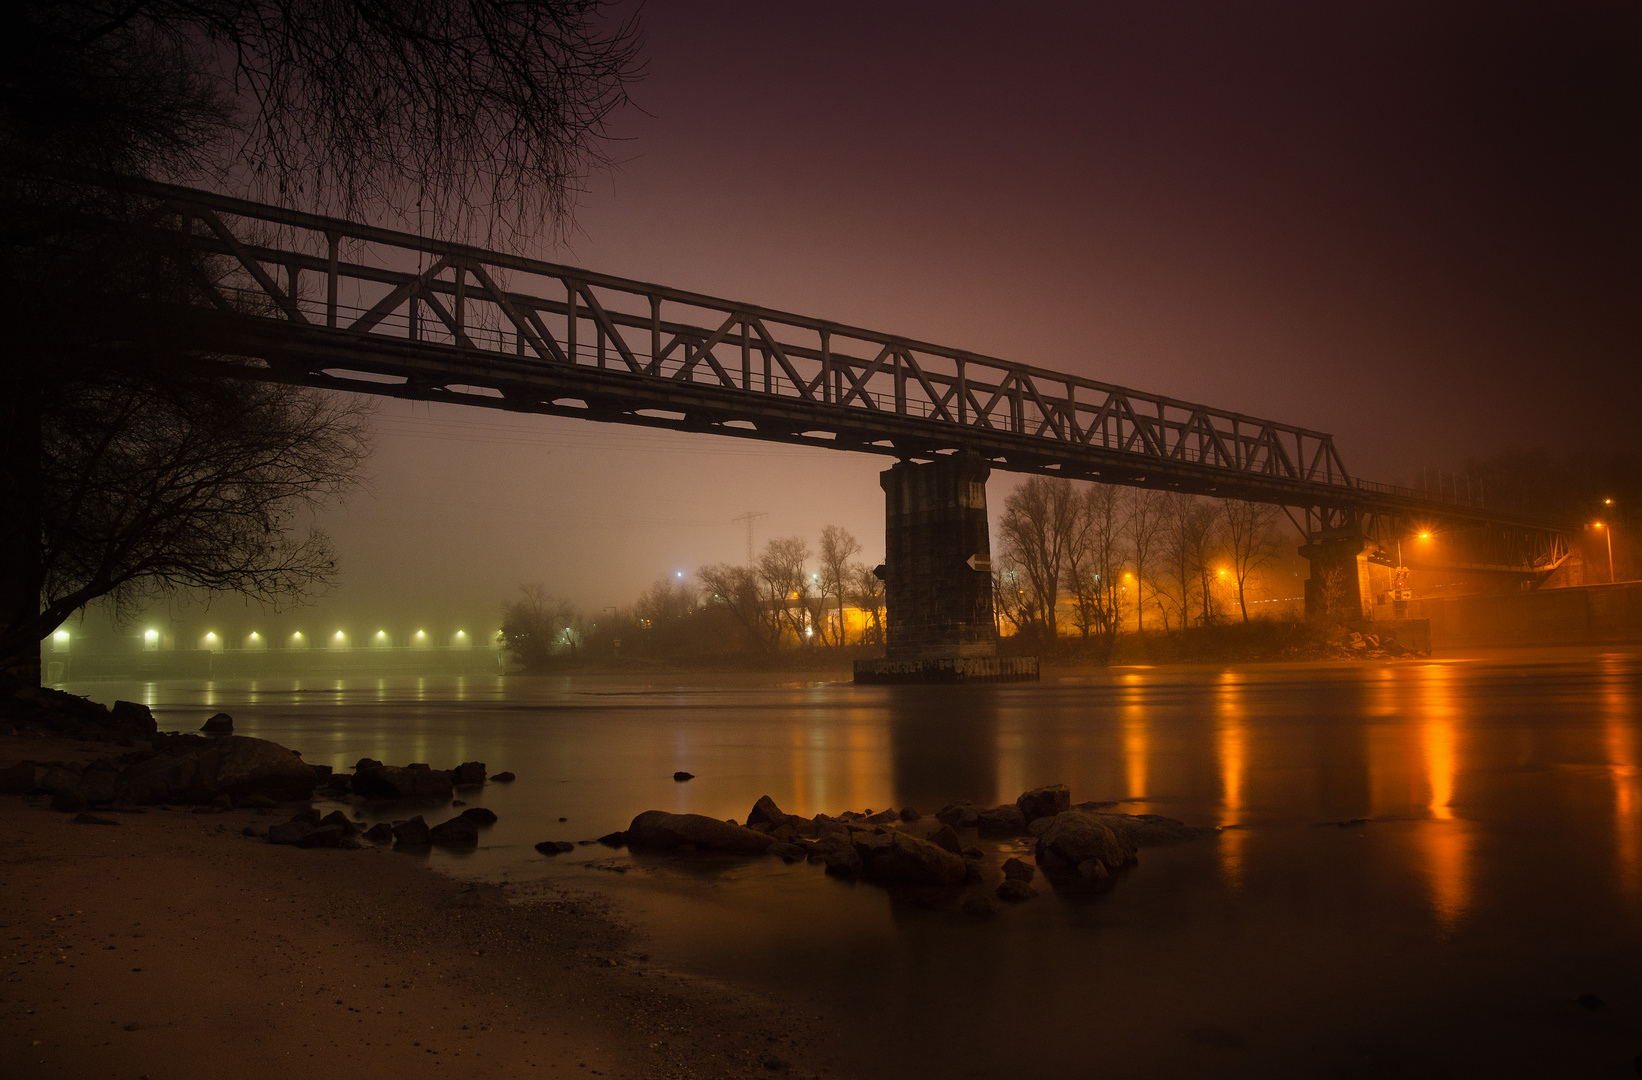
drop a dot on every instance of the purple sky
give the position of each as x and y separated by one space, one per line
1414 225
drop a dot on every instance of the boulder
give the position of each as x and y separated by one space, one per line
788 852
289 832
661 830
468 773
412 833
959 815
20 779
1015 890
843 862
480 815
555 847
1015 870
765 812
909 814
410 782
503 778
92 819
68 801
325 836
1152 830
1004 820
220 724
457 832
893 856
979 907
308 816
615 839
340 820
366 763
132 720
1045 802
1075 838
232 765
681 776
380 833
946 838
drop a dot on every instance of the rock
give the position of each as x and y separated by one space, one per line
132 720
68 801
1093 871
1038 827
233 765
909 814
681 776
1045 802
340 820
765 812
1152 830
1015 870
960 815
55 779
289 832
503 778
946 838
220 724
615 839
457 832
979 907
1075 838
380 833
366 763
555 847
1015 890
325 836
468 773
307 816
91 819
410 782
843 862
222 803
661 830
412 833
20 779
883 817
1006 820
788 852
973 853
894 856
257 802
480 815
254 832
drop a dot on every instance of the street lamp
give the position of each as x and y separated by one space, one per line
1608 534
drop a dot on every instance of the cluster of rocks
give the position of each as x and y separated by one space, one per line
42 711
1349 645
373 780
1074 846
336 830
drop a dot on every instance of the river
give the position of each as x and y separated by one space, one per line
1495 879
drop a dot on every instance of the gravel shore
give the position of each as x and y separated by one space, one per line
169 946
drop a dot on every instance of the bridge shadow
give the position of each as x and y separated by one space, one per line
944 744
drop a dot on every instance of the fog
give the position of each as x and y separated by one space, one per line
1412 229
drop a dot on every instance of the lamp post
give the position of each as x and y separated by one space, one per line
1607 532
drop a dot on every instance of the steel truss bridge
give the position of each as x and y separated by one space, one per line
331 303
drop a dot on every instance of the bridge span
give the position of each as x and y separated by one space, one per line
332 303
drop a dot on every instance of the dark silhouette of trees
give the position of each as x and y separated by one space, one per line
788 588
1250 534
838 547
1144 525
1037 518
536 626
467 116
738 591
867 593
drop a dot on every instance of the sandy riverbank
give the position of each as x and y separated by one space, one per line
171 947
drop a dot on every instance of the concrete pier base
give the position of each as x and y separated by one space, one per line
953 669
937 576
1339 589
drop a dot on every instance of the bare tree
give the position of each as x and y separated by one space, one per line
1205 552
738 591
781 571
1184 532
1037 519
1144 526
838 547
537 626
1252 540
1094 559
867 591
194 483
1009 600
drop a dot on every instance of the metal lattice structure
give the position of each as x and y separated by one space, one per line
338 304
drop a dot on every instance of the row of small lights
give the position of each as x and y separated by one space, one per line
152 637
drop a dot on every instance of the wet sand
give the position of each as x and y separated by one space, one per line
170 946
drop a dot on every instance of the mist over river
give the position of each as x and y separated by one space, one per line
1496 879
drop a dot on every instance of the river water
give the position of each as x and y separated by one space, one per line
1496 879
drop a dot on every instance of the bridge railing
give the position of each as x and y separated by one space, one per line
326 275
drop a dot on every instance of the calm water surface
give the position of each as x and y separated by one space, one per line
1498 878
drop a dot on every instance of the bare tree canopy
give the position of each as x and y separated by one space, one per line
1037 518
1251 540
479 109
536 626
838 547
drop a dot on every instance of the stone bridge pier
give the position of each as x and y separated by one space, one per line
1338 588
937 574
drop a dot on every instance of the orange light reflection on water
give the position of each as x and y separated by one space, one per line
1444 841
1619 744
1231 744
1136 738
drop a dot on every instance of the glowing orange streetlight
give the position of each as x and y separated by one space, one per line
1608 533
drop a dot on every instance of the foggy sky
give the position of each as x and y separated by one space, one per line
1415 226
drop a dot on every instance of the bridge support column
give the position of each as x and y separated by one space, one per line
937 578
1338 589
